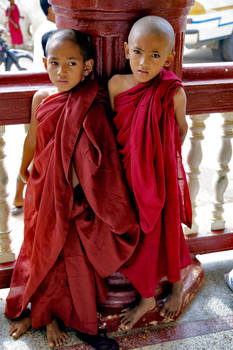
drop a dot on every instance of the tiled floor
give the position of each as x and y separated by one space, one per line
206 324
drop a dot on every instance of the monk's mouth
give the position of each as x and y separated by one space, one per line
142 71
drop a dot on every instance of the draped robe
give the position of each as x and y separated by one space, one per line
73 238
149 143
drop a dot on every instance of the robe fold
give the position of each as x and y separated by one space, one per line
73 238
149 143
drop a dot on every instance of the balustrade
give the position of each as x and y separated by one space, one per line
209 89
6 254
194 160
217 222
225 154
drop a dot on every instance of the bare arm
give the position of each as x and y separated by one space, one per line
112 89
180 112
30 140
117 84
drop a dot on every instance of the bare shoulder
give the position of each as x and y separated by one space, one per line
115 87
180 96
38 97
116 83
41 94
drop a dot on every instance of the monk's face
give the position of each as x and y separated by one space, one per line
148 53
65 64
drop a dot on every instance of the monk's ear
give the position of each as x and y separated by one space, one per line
88 67
126 46
45 62
169 59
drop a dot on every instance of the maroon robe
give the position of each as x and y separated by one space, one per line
149 144
73 238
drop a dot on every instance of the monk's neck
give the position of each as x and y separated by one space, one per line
132 82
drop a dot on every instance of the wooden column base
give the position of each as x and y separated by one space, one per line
109 320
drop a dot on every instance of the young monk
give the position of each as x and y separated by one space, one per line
149 107
79 227
12 12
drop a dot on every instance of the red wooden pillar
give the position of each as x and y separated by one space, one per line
108 22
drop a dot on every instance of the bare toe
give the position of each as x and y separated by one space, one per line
130 317
20 327
55 336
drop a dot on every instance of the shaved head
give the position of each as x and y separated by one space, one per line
155 25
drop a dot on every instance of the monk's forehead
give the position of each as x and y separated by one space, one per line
138 32
152 25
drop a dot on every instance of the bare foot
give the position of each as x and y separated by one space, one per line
18 203
18 200
20 327
172 306
55 335
130 317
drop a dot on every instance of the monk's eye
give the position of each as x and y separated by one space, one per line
72 63
137 52
53 63
155 55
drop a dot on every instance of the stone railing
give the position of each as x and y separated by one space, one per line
198 125
209 90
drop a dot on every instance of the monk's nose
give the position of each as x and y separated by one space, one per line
143 59
62 69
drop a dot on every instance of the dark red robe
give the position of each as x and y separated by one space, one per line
73 238
149 144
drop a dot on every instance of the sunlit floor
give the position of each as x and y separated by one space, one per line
206 324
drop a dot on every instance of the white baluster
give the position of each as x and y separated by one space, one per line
221 183
194 160
6 254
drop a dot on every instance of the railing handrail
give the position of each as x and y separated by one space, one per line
209 89
207 71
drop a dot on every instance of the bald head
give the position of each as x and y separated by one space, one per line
155 25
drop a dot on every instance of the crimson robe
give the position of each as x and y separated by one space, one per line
149 143
73 238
